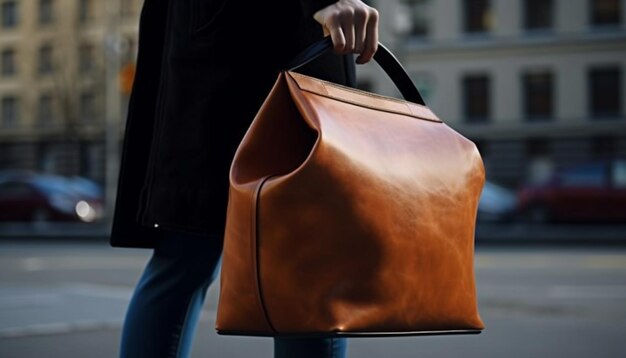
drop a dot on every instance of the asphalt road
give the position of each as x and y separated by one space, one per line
68 300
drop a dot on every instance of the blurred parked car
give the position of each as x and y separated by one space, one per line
593 191
29 196
497 203
87 187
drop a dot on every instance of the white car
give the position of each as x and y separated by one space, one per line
497 203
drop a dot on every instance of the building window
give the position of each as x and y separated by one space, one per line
47 161
476 98
603 147
483 147
89 159
85 10
538 95
8 66
46 64
605 92
605 12
477 16
425 83
10 111
87 106
538 14
45 113
9 14
85 58
537 147
46 11
418 13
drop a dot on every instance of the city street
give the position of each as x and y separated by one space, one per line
67 299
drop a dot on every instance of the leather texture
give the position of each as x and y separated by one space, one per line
349 213
387 61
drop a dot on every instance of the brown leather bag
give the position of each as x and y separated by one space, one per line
350 214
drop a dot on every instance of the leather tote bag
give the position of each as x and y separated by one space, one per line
350 214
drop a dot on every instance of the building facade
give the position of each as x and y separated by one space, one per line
53 55
538 85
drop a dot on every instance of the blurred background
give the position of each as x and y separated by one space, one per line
538 85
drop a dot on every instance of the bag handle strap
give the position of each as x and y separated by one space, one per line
387 61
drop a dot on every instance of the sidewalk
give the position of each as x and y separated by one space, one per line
486 233
551 233
68 299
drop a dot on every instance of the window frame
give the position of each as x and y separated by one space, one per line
528 114
15 118
487 23
45 18
466 100
86 58
87 113
85 11
45 64
594 113
9 24
40 118
8 68
593 21
527 16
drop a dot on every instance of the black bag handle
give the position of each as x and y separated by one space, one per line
387 61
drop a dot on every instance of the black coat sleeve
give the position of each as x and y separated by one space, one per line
310 7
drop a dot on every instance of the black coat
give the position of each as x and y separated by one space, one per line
204 68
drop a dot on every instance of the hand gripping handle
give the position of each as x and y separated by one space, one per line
387 61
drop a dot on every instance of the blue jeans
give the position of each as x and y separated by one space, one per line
163 313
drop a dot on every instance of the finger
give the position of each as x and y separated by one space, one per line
371 39
347 26
336 33
348 31
360 19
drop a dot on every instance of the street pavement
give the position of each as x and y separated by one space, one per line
68 298
515 231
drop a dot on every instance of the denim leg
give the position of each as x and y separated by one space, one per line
163 313
310 347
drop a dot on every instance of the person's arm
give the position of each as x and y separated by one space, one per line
352 25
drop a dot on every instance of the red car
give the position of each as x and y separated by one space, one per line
593 191
42 197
